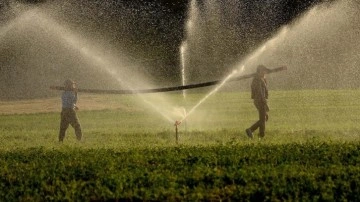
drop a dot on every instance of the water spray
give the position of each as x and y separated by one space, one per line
223 82
183 65
192 16
177 123
242 66
82 46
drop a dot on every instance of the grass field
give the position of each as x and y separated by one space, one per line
311 149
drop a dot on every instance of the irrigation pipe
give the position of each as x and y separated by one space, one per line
165 89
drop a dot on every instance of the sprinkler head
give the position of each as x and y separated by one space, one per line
177 123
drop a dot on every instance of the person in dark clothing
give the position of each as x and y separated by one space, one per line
68 112
259 93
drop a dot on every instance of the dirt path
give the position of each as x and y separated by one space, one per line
86 102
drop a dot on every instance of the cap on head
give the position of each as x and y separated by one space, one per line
68 84
262 68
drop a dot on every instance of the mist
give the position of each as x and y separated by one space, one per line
124 46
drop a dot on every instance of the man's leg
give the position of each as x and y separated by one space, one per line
78 131
249 131
64 124
262 120
76 125
255 126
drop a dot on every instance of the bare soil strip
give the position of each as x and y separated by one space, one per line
47 105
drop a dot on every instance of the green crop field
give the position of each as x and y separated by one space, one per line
311 150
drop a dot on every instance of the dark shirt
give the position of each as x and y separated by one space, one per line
259 91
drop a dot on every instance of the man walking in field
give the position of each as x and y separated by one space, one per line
68 112
259 93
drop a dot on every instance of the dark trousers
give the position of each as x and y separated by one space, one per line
69 117
262 109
